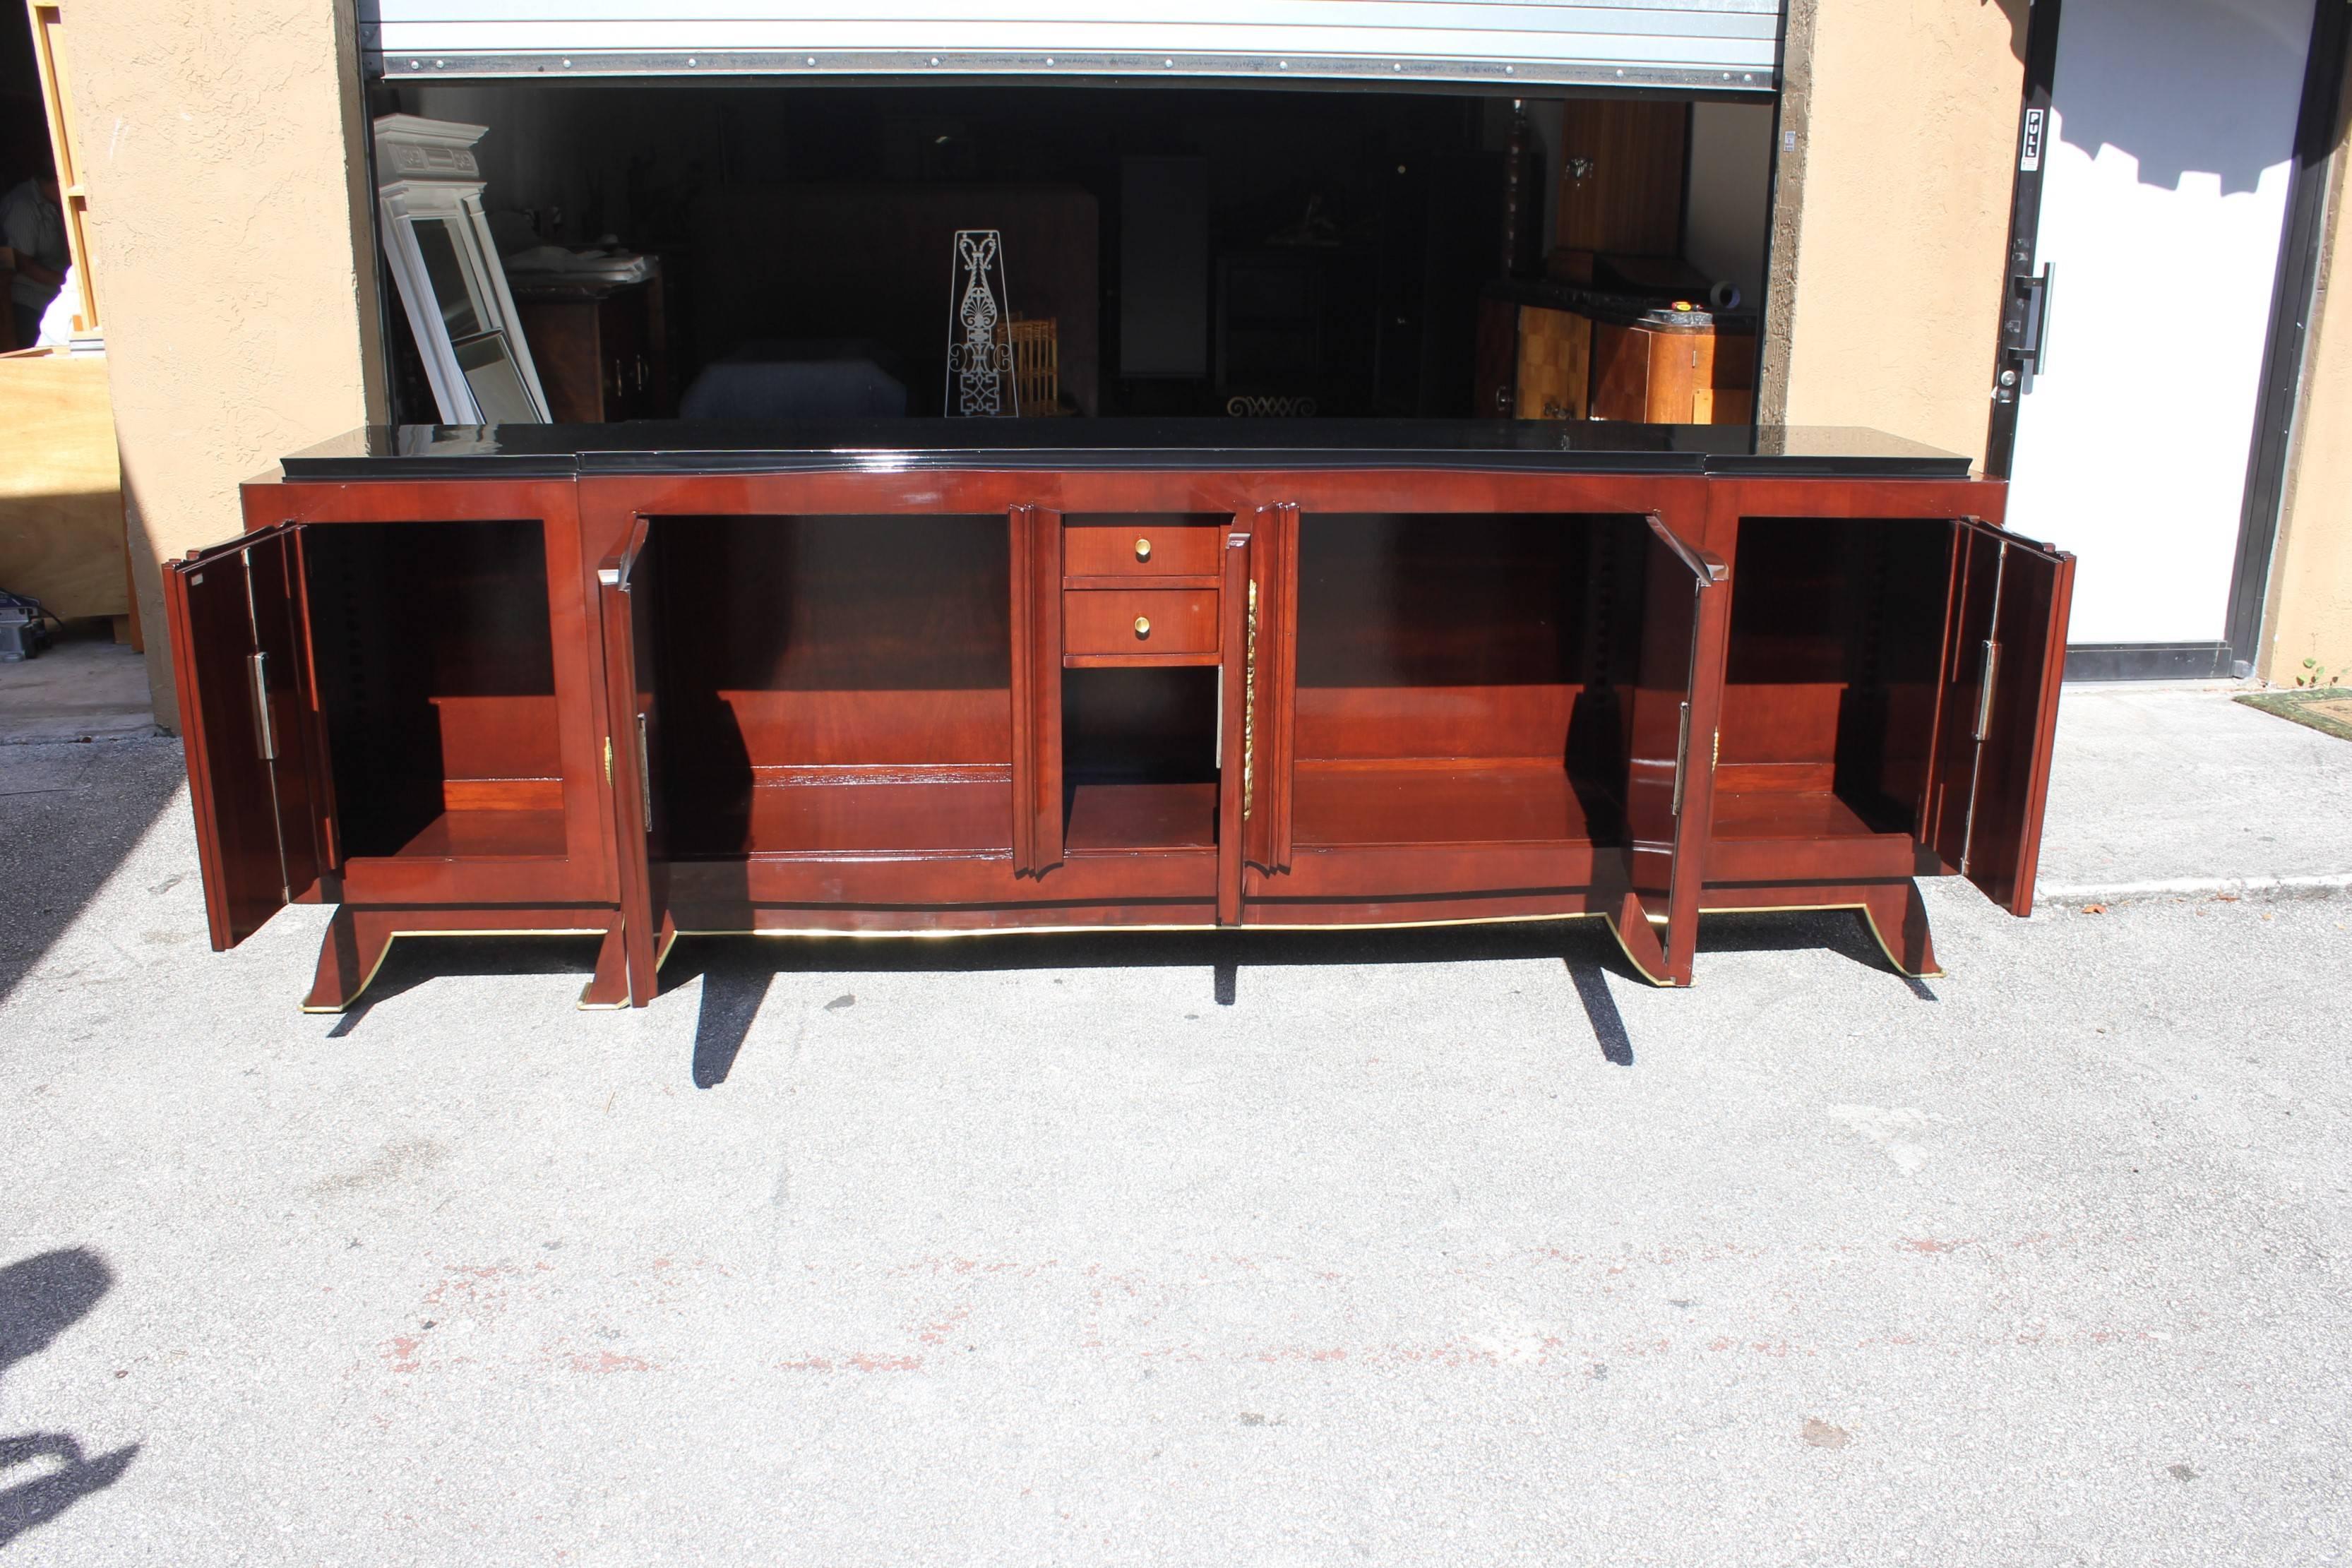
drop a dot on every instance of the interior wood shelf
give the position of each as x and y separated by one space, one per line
1122 817
1791 814
1414 800
791 816
487 835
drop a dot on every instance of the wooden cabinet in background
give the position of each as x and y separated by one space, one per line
1534 362
1659 373
1621 176
601 348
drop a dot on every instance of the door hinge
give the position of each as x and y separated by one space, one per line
265 733
608 760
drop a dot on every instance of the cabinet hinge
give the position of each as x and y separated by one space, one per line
1249 706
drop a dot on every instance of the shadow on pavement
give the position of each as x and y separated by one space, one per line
72 813
1841 930
40 1297
414 961
737 972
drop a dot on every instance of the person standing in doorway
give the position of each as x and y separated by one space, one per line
33 225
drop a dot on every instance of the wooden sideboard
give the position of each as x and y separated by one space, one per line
935 676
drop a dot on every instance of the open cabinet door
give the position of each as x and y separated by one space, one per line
625 605
1670 775
240 647
1036 620
1269 688
2000 700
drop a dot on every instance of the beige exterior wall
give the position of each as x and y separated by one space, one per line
2308 612
221 142
1894 214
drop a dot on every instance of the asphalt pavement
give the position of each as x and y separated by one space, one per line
1392 1248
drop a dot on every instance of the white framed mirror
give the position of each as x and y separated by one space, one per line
429 195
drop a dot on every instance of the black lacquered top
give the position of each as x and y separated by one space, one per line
679 446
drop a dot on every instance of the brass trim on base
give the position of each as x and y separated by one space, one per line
1210 926
1639 967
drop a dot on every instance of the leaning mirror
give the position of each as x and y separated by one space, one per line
452 288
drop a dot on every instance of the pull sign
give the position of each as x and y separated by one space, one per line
2029 155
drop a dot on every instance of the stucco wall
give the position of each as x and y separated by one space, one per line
221 144
2308 612
1894 214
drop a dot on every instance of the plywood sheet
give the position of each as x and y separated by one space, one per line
61 536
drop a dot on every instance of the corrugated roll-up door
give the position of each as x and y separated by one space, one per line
1726 46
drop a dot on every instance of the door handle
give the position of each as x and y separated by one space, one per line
1984 693
2028 326
265 733
1682 760
1249 706
645 775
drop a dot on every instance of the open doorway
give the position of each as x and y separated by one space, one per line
758 249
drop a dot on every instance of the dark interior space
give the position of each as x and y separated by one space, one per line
1836 635
23 126
1186 250
1140 759
25 153
436 678
1471 669
826 684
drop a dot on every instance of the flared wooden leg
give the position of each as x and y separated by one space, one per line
609 987
356 942
1898 916
1634 934
642 953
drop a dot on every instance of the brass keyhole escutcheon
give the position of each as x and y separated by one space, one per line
1144 550
1143 626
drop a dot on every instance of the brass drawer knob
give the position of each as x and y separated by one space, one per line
1143 626
1144 550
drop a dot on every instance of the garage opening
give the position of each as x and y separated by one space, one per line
768 248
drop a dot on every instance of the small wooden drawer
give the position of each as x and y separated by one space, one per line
1140 622
1139 547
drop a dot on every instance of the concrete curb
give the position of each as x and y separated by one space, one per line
2257 889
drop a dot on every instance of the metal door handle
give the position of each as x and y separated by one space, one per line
1984 694
1682 758
2026 325
2040 294
645 775
265 733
